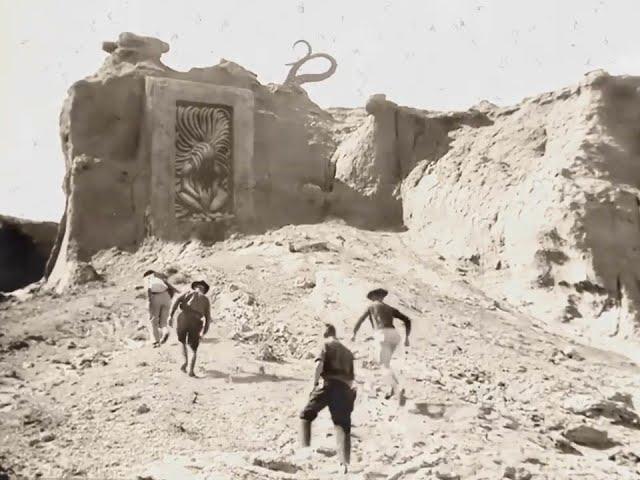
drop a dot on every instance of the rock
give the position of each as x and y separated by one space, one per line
626 457
446 473
589 437
85 273
132 48
518 473
142 409
17 345
623 398
274 462
309 247
618 411
327 452
565 446
306 283
10 373
47 437
428 409
266 353
571 352
422 461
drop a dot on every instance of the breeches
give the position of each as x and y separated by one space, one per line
188 328
386 341
338 396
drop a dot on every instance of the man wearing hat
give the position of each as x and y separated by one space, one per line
194 306
386 336
159 293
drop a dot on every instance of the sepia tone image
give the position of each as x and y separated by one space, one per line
297 239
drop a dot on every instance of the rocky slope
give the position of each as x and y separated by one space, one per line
491 393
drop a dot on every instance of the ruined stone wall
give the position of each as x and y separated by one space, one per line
105 136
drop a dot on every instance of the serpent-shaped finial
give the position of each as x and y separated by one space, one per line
294 79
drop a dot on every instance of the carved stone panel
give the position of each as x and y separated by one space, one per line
204 161
200 155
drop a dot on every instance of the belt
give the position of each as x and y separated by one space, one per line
163 291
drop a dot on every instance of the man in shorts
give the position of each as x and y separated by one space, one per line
194 306
334 365
386 336
159 293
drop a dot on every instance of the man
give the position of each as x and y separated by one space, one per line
194 305
387 338
159 293
335 365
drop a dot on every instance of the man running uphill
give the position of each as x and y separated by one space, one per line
387 338
335 366
159 293
194 305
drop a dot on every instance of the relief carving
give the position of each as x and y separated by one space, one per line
204 162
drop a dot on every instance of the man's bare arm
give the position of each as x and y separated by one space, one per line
174 306
318 373
207 317
407 324
359 323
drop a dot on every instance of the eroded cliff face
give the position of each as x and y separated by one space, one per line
542 205
375 157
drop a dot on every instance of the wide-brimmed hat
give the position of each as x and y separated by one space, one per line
201 283
378 292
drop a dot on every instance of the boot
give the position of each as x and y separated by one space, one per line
343 446
305 433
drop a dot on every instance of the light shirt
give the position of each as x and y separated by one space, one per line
155 284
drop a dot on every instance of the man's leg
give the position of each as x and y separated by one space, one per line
386 352
181 333
341 402
185 357
396 341
163 317
317 401
154 318
193 340
193 346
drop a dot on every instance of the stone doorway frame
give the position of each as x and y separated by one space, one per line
161 98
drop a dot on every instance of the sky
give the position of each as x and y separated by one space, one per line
431 54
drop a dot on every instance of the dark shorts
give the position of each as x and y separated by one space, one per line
188 329
338 396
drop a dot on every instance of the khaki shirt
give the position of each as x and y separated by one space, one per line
194 303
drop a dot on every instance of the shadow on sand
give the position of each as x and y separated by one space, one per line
243 377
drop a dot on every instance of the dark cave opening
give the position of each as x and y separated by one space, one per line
20 261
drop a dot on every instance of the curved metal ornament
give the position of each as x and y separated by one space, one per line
294 79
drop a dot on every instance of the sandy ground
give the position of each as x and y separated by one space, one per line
491 393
